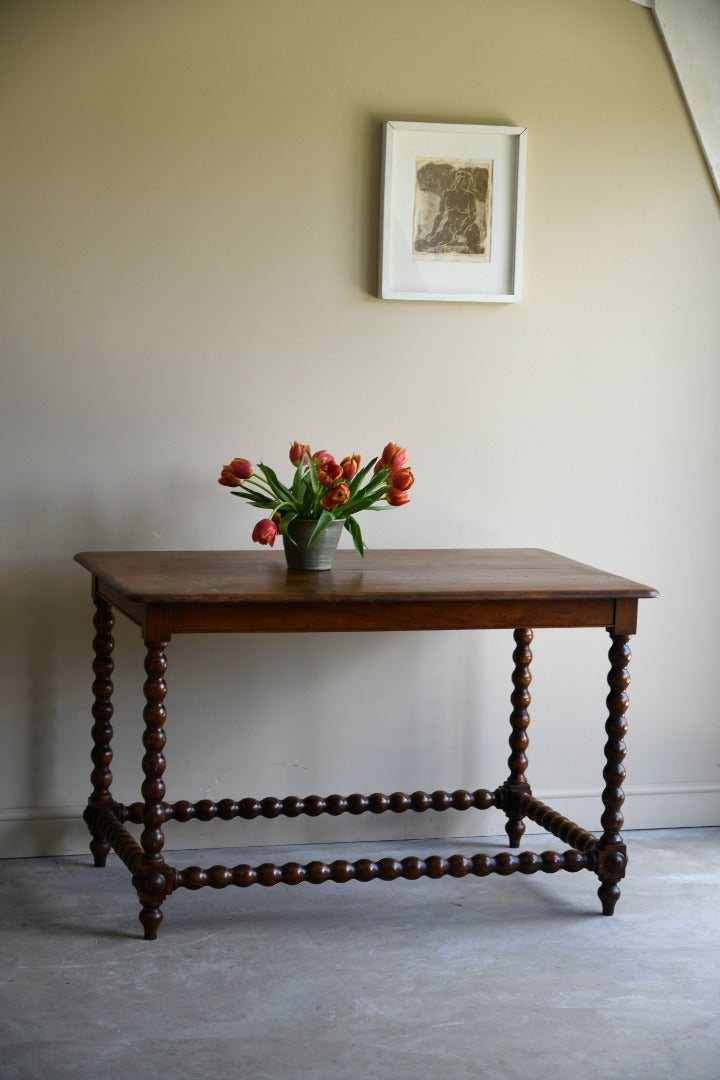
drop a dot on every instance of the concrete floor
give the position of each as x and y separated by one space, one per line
512 978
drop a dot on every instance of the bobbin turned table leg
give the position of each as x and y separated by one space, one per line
152 878
516 783
101 732
611 853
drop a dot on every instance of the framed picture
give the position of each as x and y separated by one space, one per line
451 224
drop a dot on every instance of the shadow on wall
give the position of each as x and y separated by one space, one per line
46 636
43 637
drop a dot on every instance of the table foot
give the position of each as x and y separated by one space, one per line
100 846
150 917
99 849
611 864
515 829
609 895
153 885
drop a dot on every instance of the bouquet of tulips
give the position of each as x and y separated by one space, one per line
322 489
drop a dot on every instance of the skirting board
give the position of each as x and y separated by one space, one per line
44 831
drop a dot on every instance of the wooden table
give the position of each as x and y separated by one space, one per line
196 592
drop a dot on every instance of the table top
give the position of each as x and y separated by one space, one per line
394 589
256 576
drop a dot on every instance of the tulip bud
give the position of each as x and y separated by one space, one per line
402 479
350 465
228 478
322 457
241 467
298 451
265 532
396 497
392 457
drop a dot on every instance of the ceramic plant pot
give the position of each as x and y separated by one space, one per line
320 555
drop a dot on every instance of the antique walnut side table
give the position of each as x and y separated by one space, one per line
196 592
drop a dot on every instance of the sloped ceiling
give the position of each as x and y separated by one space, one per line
691 32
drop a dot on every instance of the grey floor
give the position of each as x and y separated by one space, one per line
512 978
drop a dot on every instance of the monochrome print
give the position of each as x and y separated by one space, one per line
451 218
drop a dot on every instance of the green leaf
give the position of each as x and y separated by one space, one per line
363 502
314 491
375 487
256 499
354 529
357 480
326 517
278 488
285 521
313 476
297 484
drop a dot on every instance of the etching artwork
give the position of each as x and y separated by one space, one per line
451 216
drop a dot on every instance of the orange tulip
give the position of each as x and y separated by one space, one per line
396 497
393 456
350 465
337 496
328 473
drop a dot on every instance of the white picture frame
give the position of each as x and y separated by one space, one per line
451 222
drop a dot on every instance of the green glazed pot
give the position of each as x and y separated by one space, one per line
320 555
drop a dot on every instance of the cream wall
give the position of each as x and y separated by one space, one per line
189 202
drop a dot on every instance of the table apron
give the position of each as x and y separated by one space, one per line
160 621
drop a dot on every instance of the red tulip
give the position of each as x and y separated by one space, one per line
396 497
239 469
322 457
228 478
298 451
265 532
393 456
337 496
242 468
350 465
402 479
